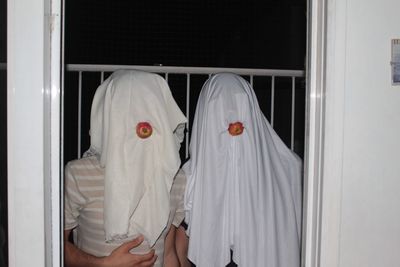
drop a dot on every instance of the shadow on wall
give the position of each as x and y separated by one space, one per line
2 240
3 170
3 136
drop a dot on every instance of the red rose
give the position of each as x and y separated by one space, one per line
144 129
236 128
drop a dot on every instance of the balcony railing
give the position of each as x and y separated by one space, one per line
293 78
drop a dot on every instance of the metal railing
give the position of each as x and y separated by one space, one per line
188 72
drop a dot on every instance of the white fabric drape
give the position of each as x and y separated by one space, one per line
243 192
138 172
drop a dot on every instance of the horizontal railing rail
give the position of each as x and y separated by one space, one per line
188 71
185 70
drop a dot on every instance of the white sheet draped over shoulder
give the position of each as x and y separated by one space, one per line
138 172
243 192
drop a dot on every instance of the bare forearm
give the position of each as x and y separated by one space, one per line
182 242
171 260
170 255
120 257
74 257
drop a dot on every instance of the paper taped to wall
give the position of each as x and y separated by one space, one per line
395 62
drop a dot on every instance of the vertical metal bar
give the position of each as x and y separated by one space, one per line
272 100
79 113
166 76
251 80
102 77
187 114
293 112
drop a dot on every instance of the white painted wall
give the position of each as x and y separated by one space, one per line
361 205
370 231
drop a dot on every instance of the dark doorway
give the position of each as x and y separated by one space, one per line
224 33
266 34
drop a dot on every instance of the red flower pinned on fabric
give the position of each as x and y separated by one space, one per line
236 128
144 130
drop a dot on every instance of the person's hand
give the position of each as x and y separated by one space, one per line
121 257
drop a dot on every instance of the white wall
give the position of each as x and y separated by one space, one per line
361 222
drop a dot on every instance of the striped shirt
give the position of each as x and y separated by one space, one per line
83 207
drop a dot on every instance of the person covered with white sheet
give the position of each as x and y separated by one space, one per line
124 194
243 190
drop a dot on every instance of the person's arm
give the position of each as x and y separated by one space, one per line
170 255
120 257
180 239
181 243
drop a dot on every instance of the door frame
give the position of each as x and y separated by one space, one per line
33 132
324 132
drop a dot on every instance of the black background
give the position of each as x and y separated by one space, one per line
235 33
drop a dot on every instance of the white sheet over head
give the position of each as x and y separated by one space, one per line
136 130
244 190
